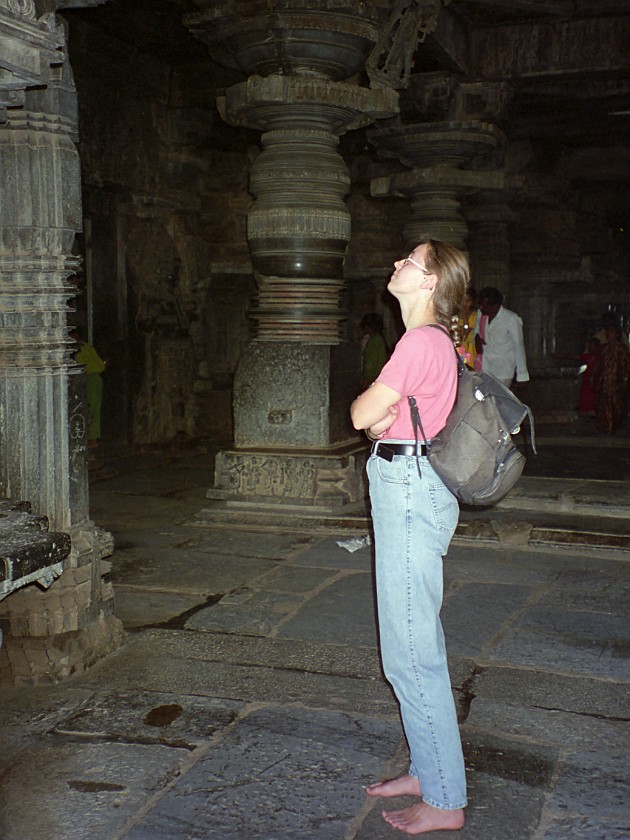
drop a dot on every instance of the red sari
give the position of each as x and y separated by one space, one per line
612 386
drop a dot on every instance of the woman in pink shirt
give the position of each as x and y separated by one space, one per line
414 517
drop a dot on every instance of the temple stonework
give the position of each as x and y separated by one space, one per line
215 192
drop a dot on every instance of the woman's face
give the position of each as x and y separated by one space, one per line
411 273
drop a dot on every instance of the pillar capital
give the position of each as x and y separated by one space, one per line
438 155
31 50
281 102
328 39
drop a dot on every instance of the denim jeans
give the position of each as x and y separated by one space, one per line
414 519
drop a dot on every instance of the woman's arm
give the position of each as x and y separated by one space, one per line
375 409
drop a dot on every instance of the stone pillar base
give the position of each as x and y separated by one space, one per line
324 480
28 660
49 634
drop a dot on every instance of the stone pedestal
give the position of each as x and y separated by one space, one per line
293 442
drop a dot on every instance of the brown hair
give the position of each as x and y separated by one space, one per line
451 267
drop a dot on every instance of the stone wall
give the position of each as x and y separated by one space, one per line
167 274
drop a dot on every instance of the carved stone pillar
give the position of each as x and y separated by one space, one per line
294 445
453 144
299 226
42 422
437 154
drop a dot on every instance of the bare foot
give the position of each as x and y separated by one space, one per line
420 818
403 786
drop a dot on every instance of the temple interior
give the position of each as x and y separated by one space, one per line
214 192
200 201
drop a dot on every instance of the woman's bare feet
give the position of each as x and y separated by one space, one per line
420 818
403 786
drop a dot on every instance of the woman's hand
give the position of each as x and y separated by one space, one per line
373 408
377 429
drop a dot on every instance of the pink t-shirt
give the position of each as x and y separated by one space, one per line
422 365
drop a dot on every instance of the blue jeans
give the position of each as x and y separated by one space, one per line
414 519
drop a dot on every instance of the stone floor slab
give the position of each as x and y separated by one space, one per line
257 614
588 828
545 690
604 627
137 670
25 716
593 591
463 563
473 613
282 654
567 730
535 648
63 789
295 579
303 770
138 607
513 759
327 554
145 717
342 613
276 546
608 785
180 571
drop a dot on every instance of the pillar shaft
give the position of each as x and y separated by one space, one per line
42 437
65 623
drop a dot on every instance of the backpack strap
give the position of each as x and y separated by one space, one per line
417 424
413 405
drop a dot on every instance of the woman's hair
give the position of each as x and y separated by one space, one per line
451 267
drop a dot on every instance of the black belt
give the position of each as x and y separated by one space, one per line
388 450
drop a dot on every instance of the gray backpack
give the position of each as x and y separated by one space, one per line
474 454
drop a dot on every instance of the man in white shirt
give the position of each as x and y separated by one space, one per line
503 348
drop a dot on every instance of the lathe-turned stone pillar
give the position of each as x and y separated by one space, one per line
294 445
452 142
437 154
42 422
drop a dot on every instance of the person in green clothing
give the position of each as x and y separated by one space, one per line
88 356
374 348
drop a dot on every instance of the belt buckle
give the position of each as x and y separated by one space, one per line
383 451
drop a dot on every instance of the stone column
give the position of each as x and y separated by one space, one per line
294 446
437 154
453 143
42 424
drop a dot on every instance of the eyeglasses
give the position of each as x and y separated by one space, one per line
422 268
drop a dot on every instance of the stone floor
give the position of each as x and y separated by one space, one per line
248 700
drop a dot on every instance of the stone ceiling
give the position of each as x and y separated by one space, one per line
567 63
